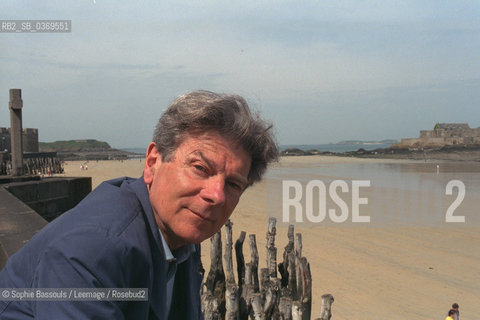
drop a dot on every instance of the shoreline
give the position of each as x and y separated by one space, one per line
457 152
470 155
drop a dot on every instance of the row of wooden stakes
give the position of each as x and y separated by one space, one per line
287 298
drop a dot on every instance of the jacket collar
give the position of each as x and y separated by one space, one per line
158 291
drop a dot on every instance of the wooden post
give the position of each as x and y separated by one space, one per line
299 278
292 276
283 267
228 252
245 305
244 287
271 291
215 282
231 294
232 302
254 262
210 307
246 295
307 289
297 311
257 308
240 261
285 308
271 249
298 245
327 301
264 278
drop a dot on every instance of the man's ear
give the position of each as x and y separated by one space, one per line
151 159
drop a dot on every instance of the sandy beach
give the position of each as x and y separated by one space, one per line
408 272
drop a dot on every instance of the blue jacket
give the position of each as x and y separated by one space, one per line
109 240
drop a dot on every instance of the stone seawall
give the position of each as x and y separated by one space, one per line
49 197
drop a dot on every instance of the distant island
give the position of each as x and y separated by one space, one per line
86 149
388 141
74 146
338 147
447 141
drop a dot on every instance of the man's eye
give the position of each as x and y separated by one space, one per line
200 168
235 186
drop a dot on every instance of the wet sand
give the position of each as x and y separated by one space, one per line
373 272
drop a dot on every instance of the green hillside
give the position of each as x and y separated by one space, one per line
74 146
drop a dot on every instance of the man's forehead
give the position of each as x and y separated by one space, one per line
204 137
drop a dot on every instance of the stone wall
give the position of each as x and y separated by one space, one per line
50 197
27 206
443 134
19 224
29 139
5 140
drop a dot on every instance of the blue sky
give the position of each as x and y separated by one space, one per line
322 71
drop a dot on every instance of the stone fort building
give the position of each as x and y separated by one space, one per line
29 139
444 134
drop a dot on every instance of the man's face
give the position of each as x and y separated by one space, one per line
194 193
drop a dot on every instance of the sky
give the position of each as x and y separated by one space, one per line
322 71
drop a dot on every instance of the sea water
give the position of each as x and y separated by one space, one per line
337 148
391 193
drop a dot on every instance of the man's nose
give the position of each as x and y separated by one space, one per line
214 191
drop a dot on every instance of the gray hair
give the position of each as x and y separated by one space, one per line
229 115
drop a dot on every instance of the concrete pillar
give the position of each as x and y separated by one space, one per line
16 130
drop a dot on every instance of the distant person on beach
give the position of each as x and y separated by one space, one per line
145 233
451 315
457 312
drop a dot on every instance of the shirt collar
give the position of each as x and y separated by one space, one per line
179 255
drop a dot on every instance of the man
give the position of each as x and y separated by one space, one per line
145 233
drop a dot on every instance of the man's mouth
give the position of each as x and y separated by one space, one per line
202 216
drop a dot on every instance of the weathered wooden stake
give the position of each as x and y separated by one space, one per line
245 305
271 249
254 261
231 295
257 308
307 289
264 278
299 278
285 308
283 267
215 282
232 302
244 286
326 313
240 261
298 245
210 307
297 311
228 252
271 289
292 276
